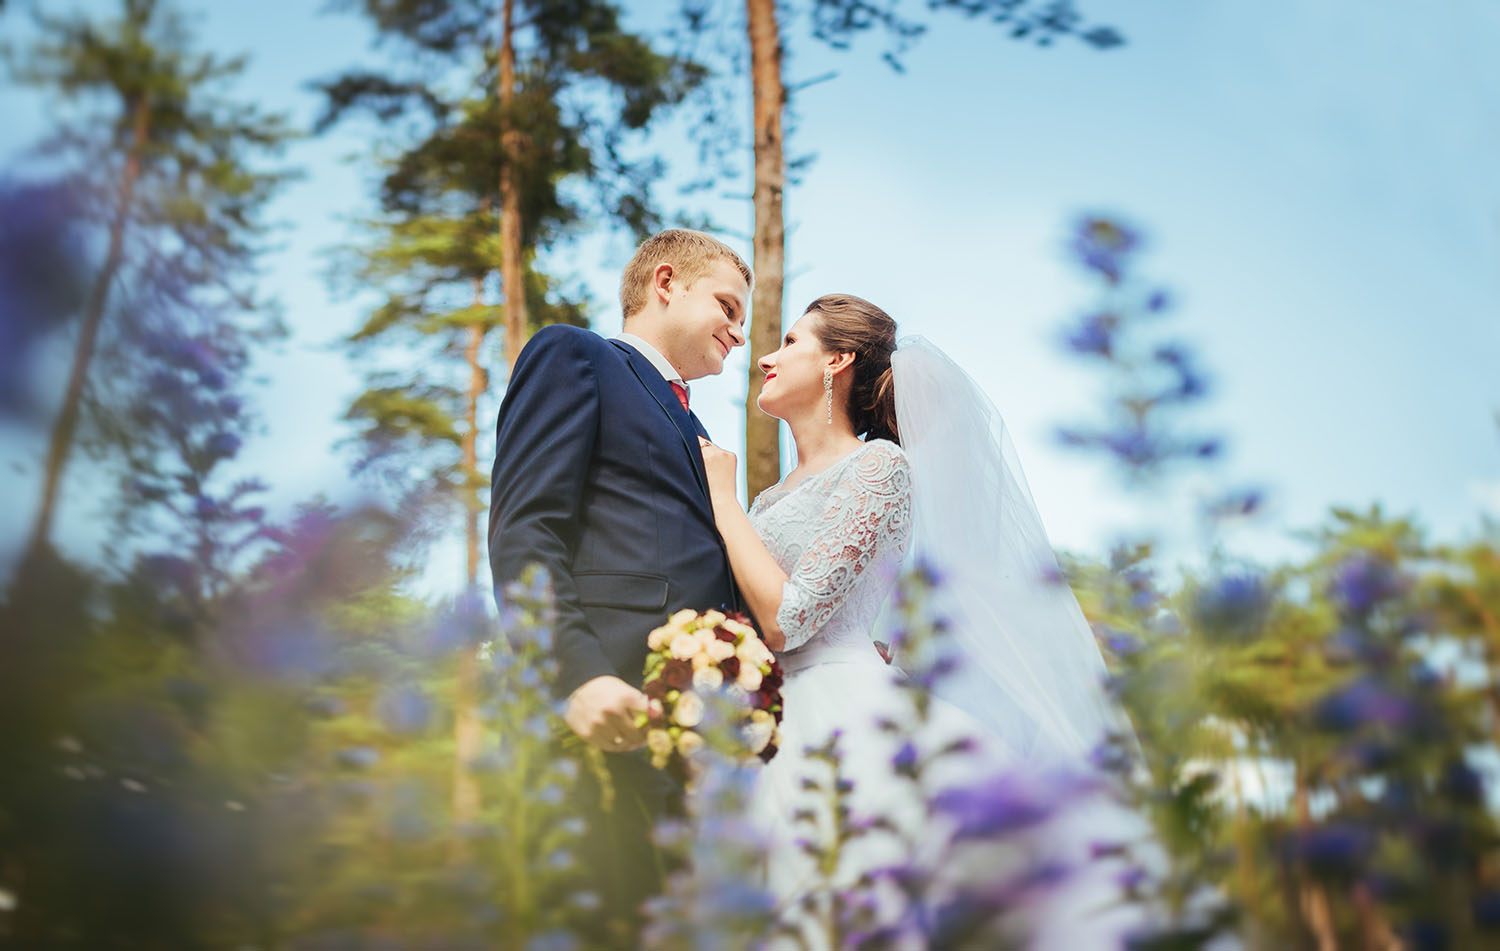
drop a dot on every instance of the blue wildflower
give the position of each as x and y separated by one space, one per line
1133 447
905 761
1232 607
1366 702
1363 580
986 809
223 445
1101 245
1095 336
1335 850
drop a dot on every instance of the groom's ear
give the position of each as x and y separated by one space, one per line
661 282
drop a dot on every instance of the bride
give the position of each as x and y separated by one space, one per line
899 456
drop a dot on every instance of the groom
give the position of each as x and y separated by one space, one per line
599 479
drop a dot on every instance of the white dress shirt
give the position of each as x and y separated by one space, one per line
667 371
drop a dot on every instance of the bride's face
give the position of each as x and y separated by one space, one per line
794 374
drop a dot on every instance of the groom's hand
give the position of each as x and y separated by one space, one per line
602 712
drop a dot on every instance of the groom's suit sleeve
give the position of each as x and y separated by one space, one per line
544 445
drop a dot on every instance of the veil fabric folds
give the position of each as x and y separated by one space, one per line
1027 665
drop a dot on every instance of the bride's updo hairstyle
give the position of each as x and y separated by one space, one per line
849 324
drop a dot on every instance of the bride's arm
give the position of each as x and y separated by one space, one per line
759 578
867 516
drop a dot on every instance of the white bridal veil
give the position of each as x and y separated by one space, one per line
1027 663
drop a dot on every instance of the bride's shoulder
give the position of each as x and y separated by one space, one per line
882 458
881 448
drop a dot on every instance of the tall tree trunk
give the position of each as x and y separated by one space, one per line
512 276
66 425
469 459
468 730
762 438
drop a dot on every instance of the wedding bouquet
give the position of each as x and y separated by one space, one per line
693 655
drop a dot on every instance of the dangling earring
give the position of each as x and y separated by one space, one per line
828 393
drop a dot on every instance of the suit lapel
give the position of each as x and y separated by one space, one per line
686 424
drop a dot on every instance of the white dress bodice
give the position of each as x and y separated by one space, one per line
840 536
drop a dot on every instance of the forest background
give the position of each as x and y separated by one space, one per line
1231 278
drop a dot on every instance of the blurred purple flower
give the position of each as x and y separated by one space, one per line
1363 580
1101 244
1236 504
1095 335
1335 850
223 445
904 763
1158 301
1003 804
1374 755
1134 447
1366 702
1232 607
1073 438
1131 878
1190 386
42 281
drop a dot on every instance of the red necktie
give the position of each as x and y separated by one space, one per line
681 392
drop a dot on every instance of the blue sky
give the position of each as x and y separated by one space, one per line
1318 186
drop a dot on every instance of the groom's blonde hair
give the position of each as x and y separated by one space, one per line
691 254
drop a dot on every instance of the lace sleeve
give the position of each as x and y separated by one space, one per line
867 518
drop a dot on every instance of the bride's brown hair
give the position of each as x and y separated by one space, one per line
849 324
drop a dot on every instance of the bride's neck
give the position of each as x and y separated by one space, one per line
820 443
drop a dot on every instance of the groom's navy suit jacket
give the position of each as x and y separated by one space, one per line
599 478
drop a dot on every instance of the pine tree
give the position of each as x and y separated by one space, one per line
168 170
528 125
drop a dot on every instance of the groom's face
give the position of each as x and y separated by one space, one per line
706 320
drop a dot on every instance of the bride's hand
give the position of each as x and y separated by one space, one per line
723 470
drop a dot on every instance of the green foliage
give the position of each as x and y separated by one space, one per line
583 86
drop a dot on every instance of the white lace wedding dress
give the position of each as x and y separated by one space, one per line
841 536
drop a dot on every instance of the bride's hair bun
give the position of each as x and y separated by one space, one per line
849 324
